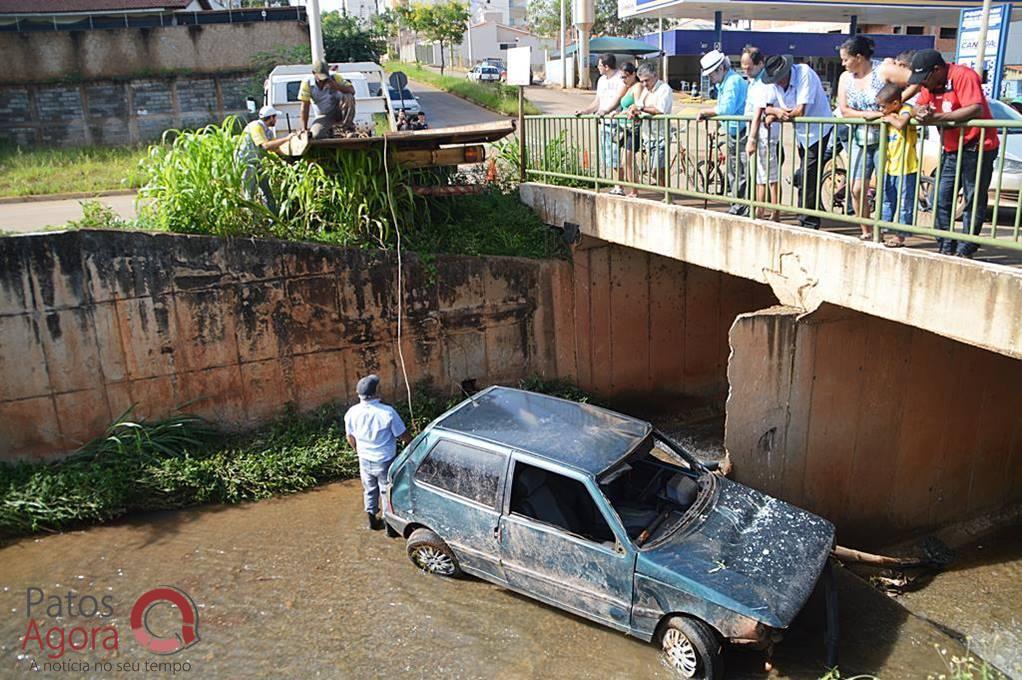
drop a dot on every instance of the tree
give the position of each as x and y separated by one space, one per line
545 20
346 38
444 22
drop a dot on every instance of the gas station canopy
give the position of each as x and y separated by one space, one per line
866 11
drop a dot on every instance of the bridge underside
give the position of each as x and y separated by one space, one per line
883 392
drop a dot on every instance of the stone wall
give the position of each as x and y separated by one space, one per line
92 322
125 52
108 112
884 429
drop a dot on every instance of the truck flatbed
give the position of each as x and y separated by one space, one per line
410 140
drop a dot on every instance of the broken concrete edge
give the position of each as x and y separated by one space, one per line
959 534
805 268
42 198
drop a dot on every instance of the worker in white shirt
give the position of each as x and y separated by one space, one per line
373 430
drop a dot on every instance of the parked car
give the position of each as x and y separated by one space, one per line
484 73
599 514
403 100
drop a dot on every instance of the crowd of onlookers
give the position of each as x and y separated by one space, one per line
771 90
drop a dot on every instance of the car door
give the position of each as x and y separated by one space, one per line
557 544
457 491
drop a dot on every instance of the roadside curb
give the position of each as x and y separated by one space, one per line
37 198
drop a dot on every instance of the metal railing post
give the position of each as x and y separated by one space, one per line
881 173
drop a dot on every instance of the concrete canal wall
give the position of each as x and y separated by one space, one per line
92 322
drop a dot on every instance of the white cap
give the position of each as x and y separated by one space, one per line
711 61
268 111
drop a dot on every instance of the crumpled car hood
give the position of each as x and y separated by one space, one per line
747 552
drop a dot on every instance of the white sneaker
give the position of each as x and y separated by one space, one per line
616 191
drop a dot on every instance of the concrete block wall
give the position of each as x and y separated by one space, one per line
92 322
648 323
112 112
885 429
125 52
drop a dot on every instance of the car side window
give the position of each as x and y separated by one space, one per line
559 501
463 470
292 90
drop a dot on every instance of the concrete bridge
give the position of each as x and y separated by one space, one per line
879 387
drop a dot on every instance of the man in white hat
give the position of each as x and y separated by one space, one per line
258 139
374 429
732 90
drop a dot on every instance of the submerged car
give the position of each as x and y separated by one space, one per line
601 515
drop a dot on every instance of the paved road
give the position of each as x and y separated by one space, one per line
33 216
446 110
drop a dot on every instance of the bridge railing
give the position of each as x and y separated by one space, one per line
706 160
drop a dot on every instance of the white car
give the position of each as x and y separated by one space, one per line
484 73
403 100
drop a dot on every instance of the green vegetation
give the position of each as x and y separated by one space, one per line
494 96
442 22
28 172
181 461
346 198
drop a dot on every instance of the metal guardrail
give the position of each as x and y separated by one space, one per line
683 156
83 21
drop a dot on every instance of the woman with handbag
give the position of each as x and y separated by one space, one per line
857 98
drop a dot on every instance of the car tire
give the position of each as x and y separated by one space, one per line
691 648
428 552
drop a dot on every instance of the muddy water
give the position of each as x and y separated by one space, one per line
296 586
980 598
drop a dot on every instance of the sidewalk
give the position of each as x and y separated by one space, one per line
36 215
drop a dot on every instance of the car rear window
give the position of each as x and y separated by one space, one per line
463 470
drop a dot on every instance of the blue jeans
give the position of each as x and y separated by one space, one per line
972 221
610 148
374 482
855 169
899 188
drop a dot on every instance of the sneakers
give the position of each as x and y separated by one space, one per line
616 191
375 523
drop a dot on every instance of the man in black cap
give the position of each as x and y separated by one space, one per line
952 93
331 96
373 429
792 91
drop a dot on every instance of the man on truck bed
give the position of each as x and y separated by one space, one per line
258 139
333 97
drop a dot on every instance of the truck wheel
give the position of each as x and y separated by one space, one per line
428 552
691 648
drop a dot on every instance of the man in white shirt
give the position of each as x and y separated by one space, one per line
373 429
610 88
795 91
655 98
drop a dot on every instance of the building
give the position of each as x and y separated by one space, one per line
490 39
362 9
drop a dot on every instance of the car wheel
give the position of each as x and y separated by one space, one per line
428 552
691 648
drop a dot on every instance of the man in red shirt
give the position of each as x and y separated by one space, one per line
954 94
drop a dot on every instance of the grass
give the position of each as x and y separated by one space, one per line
494 96
182 461
40 171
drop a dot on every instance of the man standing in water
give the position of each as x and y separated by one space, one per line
373 430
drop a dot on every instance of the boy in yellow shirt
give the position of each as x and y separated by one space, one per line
902 173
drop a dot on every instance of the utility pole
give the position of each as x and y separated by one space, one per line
663 54
583 18
315 30
564 57
981 48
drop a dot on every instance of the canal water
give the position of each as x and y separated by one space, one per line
297 586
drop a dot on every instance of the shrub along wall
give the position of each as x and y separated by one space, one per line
92 322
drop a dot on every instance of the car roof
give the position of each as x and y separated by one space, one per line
581 436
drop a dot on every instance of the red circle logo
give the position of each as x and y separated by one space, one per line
189 633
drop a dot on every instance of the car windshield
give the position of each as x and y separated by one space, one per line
653 490
399 94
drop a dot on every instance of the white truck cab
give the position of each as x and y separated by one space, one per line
280 90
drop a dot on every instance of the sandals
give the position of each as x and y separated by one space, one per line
865 237
894 242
